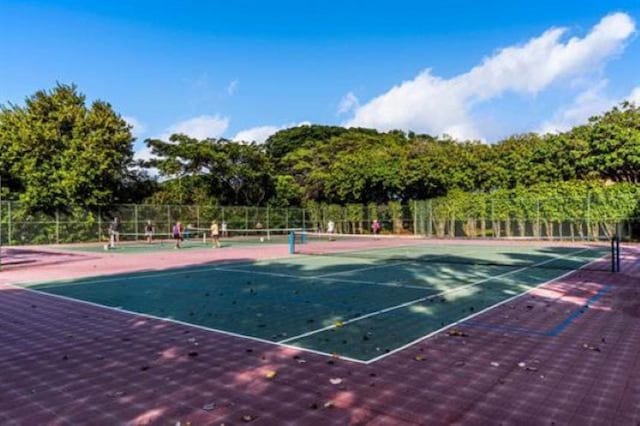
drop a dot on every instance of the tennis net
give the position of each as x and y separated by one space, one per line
201 237
601 255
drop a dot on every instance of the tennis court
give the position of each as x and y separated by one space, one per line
334 333
356 297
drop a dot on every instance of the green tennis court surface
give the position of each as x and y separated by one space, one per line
358 308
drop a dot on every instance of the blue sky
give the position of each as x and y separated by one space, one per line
246 68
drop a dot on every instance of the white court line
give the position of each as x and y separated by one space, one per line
188 269
422 299
419 339
361 269
453 324
320 278
174 321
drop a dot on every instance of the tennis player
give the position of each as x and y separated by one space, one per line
375 227
331 229
114 232
148 232
223 229
177 234
215 234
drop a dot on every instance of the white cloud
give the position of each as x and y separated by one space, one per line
634 97
256 134
201 127
432 104
587 104
142 154
348 103
232 87
261 133
137 127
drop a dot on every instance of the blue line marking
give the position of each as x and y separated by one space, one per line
555 331
575 314
506 328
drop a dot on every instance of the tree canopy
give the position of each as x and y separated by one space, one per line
56 152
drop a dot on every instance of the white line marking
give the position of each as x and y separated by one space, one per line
448 326
361 269
174 321
320 278
422 299
188 269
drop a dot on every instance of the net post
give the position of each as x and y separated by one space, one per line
613 254
618 253
292 242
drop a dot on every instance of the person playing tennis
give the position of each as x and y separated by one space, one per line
148 232
331 229
215 234
114 232
177 234
375 227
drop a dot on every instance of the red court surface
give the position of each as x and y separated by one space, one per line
567 353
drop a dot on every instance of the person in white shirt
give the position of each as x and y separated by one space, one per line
331 229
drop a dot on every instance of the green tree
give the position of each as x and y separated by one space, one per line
230 172
59 153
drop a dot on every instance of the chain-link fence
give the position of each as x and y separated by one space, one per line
77 225
567 218
448 217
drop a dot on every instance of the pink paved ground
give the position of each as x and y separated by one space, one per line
63 362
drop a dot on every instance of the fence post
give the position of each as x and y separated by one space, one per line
135 218
304 214
538 228
415 217
9 222
493 220
169 219
268 223
57 227
588 215
99 224
246 219
286 217
429 218
198 217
